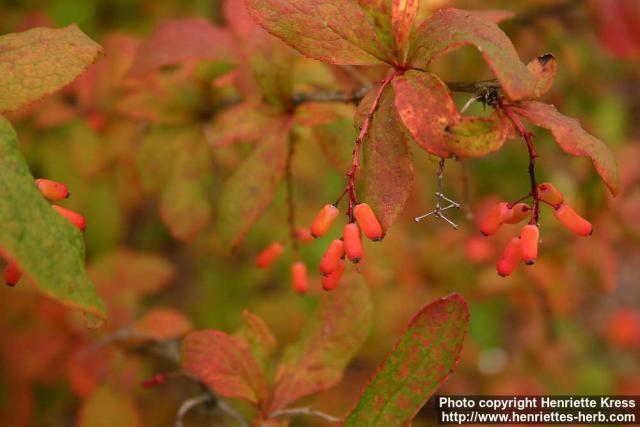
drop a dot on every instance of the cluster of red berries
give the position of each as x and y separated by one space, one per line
51 190
525 247
332 264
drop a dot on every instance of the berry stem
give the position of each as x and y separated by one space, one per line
291 217
533 154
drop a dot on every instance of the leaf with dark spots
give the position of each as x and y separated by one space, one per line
329 340
426 109
476 136
543 69
46 246
419 363
247 193
333 31
387 162
573 139
224 364
449 29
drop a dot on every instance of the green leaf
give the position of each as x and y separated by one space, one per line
45 245
387 163
247 193
426 109
40 61
573 139
419 363
449 29
329 341
476 136
333 31
258 337
224 364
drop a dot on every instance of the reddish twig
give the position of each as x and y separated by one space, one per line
291 217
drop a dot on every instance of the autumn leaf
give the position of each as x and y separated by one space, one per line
162 323
333 31
257 336
40 61
387 163
473 136
419 363
224 364
449 29
181 40
329 340
244 122
543 69
107 408
426 109
247 193
573 139
46 246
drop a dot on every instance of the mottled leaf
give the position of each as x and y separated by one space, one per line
224 364
543 69
403 15
476 136
387 163
573 139
180 40
249 190
494 15
449 29
333 31
426 109
244 122
40 61
419 363
258 337
48 248
329 341
108 408
162 323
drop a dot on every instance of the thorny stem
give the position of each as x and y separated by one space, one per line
292 412
364 129
291 217
526 135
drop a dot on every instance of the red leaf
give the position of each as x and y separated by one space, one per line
224 364
543 69
419 363
426 109
573 139
387 166
329 341
618 26
452 28
180 40
162 323
403 15
244 122
333 31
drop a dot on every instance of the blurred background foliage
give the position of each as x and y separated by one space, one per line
139 164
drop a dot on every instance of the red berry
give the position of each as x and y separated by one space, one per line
509 259
12 273
299 278
331 257
269 255
352 242
368 222
74 217
304 235
331 281
574 222
520 212
494 218
52 190
550 194
529 237
323 220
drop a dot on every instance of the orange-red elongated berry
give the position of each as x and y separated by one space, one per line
352 242
12 274
74 217
520 212
299 277
323 220
269 255
52 190
331 281
494 218
303 234
368 222
550 194
331 257
529 237
509 258
574 222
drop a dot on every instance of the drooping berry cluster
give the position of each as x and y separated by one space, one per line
51 190
525 246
